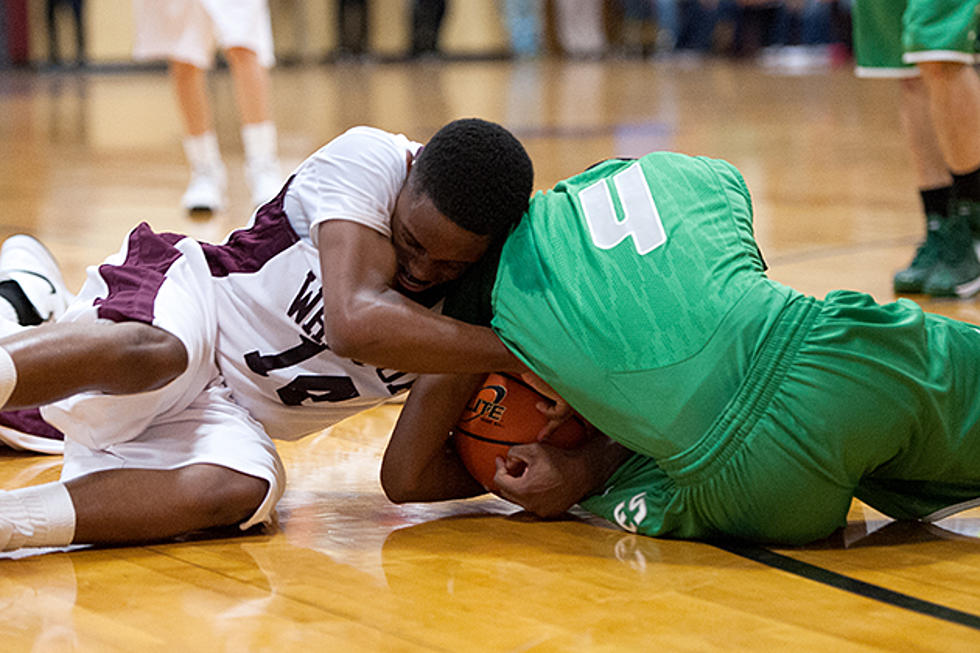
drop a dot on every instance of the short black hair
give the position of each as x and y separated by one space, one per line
477 174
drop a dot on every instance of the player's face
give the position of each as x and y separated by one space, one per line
430 248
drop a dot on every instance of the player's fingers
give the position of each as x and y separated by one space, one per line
523 453
554 422
508 486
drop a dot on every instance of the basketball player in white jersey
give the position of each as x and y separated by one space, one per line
178 360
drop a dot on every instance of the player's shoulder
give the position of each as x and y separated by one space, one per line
369 149
366 139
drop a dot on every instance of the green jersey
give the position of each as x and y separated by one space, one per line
636 290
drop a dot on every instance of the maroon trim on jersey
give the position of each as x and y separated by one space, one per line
30 421
247 250
133 286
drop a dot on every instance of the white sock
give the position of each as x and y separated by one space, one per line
259 139
8 374
40 515
202 152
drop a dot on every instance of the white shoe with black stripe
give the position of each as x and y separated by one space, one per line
31 281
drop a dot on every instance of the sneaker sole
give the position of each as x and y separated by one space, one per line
968 289
908 290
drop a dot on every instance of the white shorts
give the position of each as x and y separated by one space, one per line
164 280
190 30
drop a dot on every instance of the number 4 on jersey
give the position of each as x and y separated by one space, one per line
641 220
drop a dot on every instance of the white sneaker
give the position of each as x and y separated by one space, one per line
264 180
206 190
28 262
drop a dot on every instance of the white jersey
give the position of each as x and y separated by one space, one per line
271 347
249 313
261 290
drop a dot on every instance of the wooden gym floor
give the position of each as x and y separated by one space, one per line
85 156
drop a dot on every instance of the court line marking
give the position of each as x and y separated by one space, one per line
846 583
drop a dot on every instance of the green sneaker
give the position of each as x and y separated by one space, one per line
957 274
969 210
913 278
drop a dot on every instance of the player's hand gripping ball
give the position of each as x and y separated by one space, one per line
502 413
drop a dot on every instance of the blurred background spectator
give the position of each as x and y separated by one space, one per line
76 8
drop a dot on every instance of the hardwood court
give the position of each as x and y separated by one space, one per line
85 157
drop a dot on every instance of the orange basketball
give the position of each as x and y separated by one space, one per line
502 413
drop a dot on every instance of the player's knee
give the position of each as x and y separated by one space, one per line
147 357
238 56
240 498
938 72
225 496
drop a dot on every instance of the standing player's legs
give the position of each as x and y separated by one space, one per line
954 94
879 52
251 80
181 32
940 38
935 183
244 31
206 190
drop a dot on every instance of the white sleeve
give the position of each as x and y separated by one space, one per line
357 177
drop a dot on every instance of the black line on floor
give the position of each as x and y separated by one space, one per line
848 584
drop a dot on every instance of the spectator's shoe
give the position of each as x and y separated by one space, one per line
206 190
957 274
31 281
264 180
913 278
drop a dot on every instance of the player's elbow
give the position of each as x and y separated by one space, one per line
398 484
395 488
349 336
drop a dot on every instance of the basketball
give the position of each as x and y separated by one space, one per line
502 413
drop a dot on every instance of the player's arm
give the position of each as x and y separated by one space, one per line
367 320
547 481
419 462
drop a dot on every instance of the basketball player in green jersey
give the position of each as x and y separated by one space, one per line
930 47
733 405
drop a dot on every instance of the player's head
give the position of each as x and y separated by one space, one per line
467 187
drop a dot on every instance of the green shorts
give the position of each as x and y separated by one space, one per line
846 398
891 36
